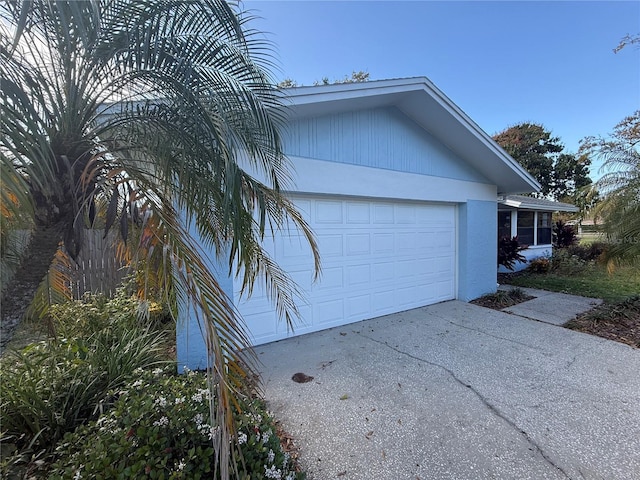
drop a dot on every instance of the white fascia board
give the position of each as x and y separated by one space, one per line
560 207
314 176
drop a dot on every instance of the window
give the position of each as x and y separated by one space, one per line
525 228
504 224
544 228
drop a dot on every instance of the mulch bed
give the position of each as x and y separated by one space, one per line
502 299
619 322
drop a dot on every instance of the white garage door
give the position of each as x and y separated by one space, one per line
378 257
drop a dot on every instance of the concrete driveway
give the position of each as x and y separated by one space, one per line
457 391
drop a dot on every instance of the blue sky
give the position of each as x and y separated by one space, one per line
501 62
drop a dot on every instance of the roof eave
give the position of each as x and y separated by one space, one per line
416 97
559 207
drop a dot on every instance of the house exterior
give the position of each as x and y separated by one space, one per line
530 219
400 187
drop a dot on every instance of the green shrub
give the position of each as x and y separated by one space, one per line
51 387
92 313
540 265
588 253
158 428
564 263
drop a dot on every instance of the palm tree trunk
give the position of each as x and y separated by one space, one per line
33 267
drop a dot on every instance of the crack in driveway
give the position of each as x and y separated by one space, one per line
493 409
490 335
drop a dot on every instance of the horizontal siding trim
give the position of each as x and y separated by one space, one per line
322 177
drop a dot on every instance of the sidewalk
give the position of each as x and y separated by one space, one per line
550 307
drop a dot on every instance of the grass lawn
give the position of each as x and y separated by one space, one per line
592 281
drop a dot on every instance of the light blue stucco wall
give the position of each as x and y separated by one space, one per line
477 252
191 350
381 138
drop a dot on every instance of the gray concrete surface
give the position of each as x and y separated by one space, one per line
551 307
457 391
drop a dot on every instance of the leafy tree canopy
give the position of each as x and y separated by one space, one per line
561 175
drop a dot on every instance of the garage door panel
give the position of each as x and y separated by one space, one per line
383 272
444 290
358 307
383 214
303 278
443 264
301 325
406 242
358 244
328 311
294 249
332 278
358 275
443 240
405 214
377 258
260 325
383 301
383 243
358 213
328 212
330 245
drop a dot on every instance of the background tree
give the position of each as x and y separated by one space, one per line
356 77
287 83
619 188
570 177
148 108
360 76
626 41
561 175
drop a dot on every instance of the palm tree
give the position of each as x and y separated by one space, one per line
150 108
620 188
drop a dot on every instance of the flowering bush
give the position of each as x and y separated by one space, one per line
540 265
51 387
158 428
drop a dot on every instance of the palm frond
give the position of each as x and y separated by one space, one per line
620 189
164 114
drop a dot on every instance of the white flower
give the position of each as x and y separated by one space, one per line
213 431
271 456
291 476
285 462
157 371
162 422
197 397
242 438
198 419
181 465
78 474
161 401
265 436
179 400
272 472
137 383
